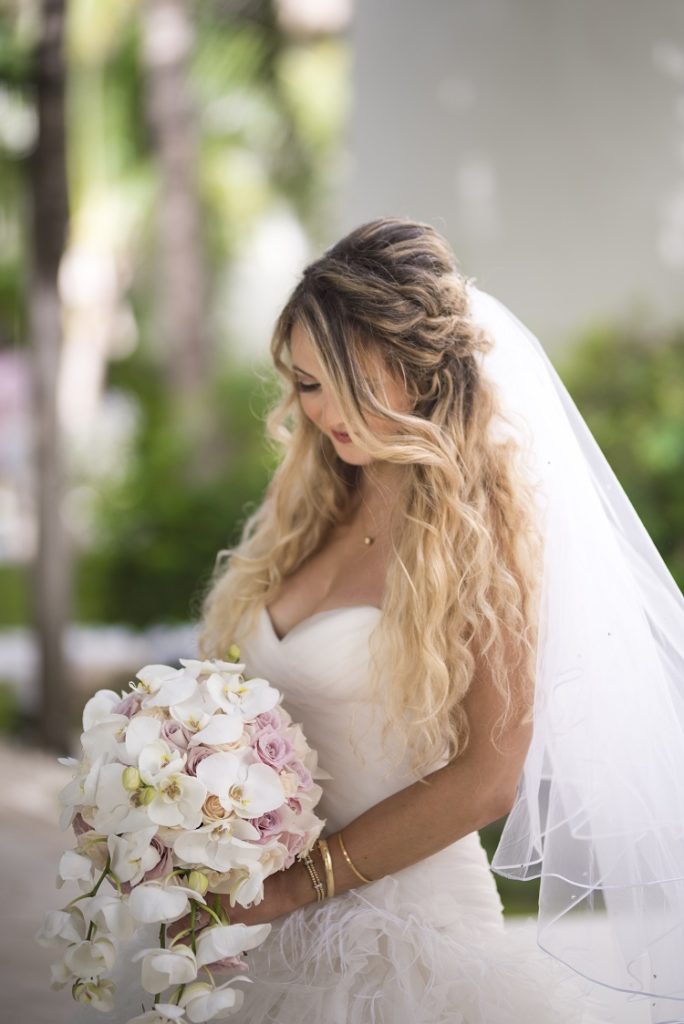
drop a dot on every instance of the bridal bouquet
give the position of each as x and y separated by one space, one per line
194 782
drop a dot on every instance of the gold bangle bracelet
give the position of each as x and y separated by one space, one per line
349 860
313 875
328 865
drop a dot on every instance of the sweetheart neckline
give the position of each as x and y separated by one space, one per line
312 618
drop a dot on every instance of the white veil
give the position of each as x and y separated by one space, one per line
599 810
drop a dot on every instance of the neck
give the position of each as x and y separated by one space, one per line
378 488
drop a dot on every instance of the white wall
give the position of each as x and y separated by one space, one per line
545 138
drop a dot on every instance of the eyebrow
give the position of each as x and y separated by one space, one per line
295 367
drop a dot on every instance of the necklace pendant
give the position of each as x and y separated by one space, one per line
368 540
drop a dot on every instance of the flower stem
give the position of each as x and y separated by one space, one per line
217 917
170 874
93 892
105 872
220 909
191 930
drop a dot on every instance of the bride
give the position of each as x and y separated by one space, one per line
390 584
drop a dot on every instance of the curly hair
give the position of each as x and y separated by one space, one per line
463 584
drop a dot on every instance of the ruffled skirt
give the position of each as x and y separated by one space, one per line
426 945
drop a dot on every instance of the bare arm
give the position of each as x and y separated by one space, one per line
468 793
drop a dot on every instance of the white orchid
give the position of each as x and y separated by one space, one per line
81 790
245 883
91 957
164 967
228 940
75 867
111 913
61 928
203 1001
242 785
206 667
158 761
142 730
98 707
60 975
162 1013
178 801
272 858
151 678
154 902
117 809
93 845
248 696
174 687
133 854
98 994
219 844
196 712
105 738
154 798
221 728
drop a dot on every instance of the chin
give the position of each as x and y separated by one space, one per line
351 454
354 458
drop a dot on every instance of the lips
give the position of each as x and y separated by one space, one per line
343 438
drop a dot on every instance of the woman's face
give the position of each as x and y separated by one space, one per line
319 404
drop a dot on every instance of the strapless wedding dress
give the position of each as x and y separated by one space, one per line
426 945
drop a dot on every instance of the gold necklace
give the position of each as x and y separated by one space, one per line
368 539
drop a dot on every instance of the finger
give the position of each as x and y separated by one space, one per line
173 929
183 923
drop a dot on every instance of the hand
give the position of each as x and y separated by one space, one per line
283 893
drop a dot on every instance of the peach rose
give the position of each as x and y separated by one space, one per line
213 809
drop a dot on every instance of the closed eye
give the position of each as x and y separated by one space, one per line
301 386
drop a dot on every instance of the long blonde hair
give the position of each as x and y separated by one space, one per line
464 582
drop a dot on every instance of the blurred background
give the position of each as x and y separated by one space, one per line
167 168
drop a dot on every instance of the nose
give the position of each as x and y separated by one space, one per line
331 417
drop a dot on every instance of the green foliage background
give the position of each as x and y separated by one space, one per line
193 479
273 114
163 525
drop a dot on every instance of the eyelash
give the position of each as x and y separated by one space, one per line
300 386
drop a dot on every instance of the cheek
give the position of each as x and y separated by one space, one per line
398 403
310 406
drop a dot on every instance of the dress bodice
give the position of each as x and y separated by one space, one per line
322 668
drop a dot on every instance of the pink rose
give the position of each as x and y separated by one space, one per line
273 749
268 824
163 865
176 734
128 705
294 844
195 755
295 804
269 720
303 774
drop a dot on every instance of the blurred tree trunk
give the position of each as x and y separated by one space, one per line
49 220
181 280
